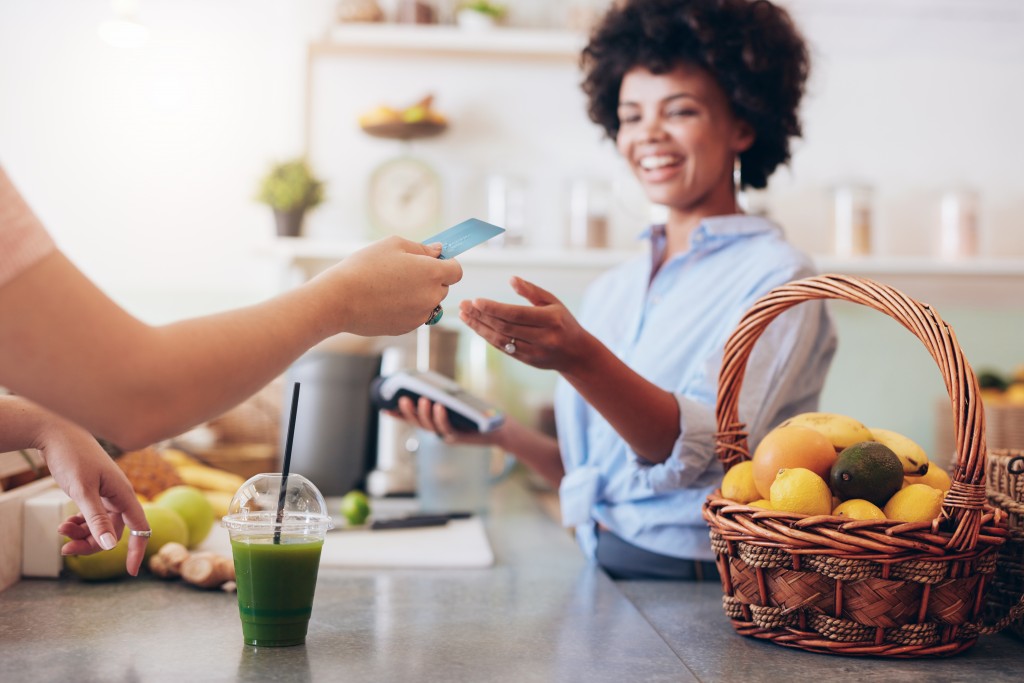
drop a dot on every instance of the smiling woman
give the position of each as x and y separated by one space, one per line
686 88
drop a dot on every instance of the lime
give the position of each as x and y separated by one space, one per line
355 508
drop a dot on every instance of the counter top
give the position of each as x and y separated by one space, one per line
542 613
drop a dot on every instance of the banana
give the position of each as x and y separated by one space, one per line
178 458
210 478
841 430
912 457
195 473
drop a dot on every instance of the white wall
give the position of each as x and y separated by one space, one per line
143 163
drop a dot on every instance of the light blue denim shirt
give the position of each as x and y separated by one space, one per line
671 330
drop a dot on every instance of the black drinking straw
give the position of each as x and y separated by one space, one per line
287 463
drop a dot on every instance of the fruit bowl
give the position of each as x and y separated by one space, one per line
402 130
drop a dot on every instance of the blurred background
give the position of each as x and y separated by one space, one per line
142 144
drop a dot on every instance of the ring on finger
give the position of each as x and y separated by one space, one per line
510 346
435 315
142 534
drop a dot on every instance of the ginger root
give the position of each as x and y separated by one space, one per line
208 570
202 569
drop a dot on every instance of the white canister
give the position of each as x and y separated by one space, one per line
958 224
851 218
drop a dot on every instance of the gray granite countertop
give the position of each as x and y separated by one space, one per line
541 613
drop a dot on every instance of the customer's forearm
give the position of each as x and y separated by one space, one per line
21 423
133 383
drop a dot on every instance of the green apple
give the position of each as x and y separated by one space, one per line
102 565
168 526
193 506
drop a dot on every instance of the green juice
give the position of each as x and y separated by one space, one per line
275 588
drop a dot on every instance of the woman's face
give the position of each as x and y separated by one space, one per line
678 134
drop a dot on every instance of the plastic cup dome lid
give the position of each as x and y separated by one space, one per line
254 506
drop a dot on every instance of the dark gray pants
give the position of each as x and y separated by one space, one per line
623 560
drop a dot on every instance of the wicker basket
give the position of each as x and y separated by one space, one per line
863 587
1005 480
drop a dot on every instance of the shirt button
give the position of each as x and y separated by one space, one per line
656 299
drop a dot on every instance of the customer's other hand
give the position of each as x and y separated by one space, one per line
104 496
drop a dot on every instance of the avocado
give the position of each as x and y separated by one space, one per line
868 470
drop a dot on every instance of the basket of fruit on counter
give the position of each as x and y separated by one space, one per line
836 537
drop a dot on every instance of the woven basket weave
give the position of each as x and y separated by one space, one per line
1005 477
862 587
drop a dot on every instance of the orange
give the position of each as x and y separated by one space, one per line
788 447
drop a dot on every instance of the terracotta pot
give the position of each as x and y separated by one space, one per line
289 222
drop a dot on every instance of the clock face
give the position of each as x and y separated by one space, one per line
405 197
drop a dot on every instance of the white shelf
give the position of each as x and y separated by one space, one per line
916 265
975 282
449 40
297 249
982 282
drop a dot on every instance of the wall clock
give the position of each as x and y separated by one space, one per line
404 197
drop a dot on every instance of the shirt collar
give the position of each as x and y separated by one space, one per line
716 229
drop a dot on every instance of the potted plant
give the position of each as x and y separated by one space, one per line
290 189
479 14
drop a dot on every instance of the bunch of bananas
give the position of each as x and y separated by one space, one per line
217 485
844 431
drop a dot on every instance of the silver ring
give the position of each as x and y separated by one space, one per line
435 316
141 534
510 347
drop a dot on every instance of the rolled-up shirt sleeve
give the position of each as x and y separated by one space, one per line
784 376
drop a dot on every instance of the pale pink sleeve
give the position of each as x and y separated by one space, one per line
23 239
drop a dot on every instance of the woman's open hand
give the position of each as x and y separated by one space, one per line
544 334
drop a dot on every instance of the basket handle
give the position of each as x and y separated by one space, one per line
966 498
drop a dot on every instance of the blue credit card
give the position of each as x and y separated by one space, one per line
463 236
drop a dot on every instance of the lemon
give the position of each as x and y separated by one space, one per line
761 503
738 483
858 508
915 503
936 477
800 490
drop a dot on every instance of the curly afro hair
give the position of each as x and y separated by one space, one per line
750 47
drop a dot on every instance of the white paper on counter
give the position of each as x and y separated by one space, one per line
461 543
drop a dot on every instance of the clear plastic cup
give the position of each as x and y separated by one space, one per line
277 556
